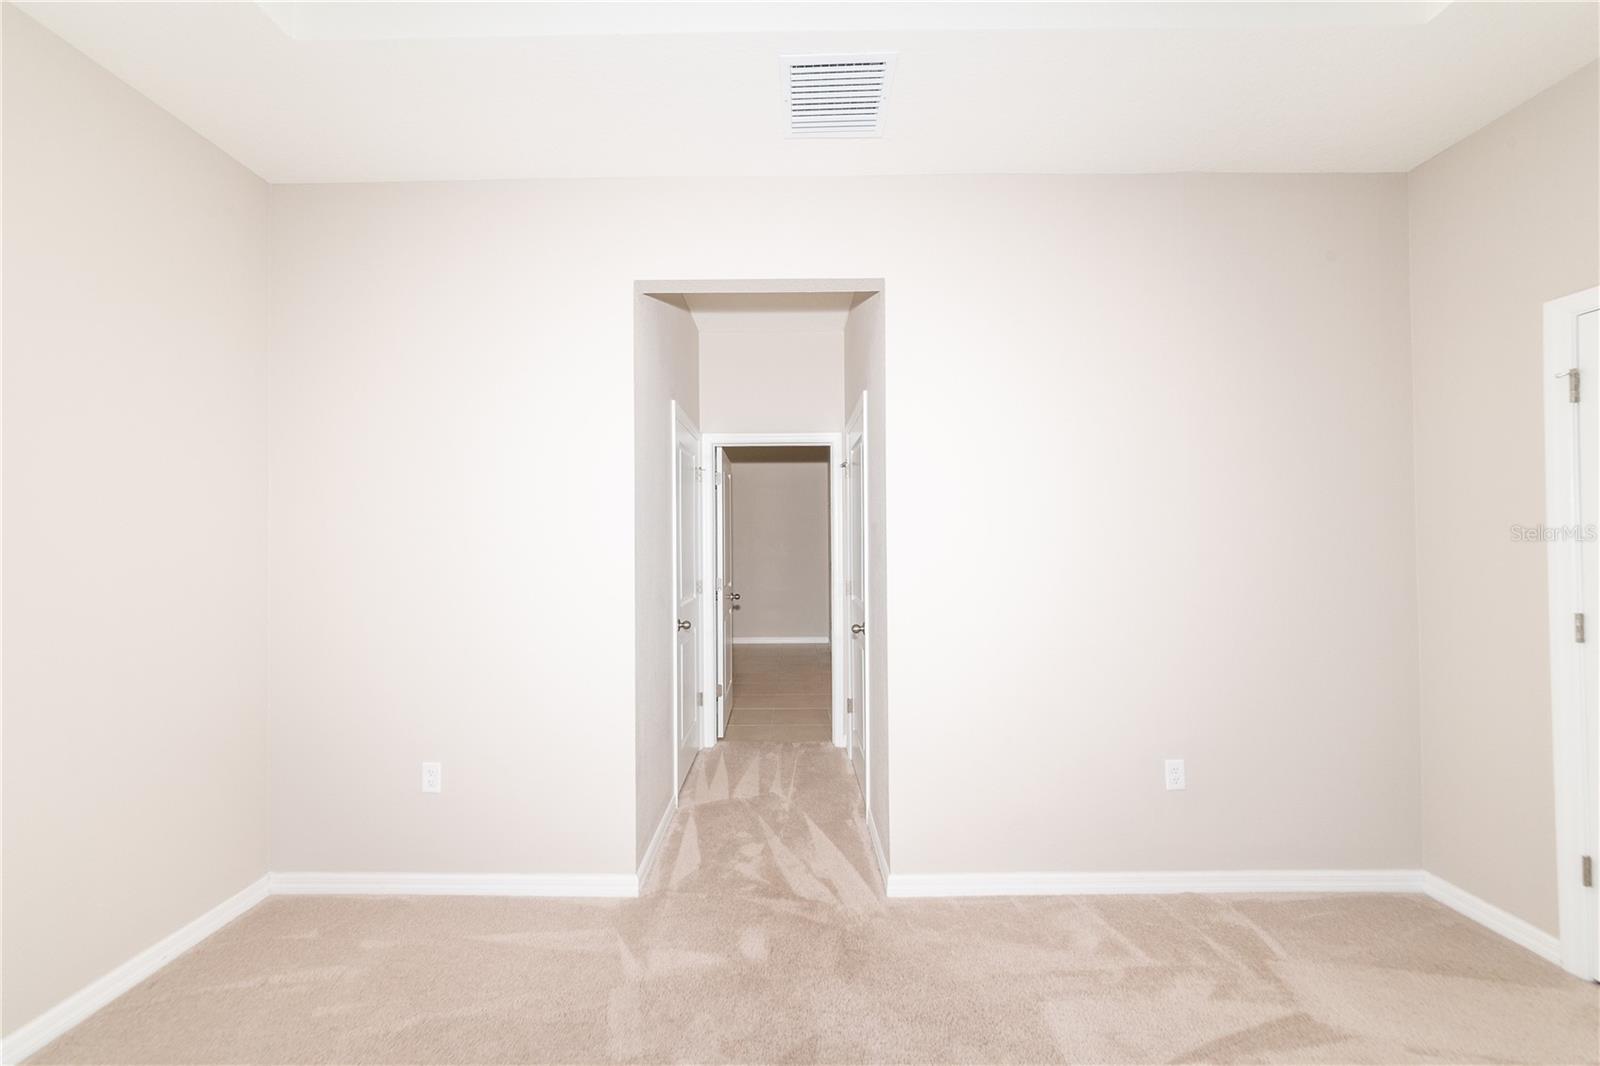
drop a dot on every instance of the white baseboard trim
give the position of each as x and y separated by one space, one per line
877 851
575 886
1486 914
653 849
780 640
1154 882
54 1022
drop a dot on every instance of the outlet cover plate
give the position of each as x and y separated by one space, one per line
1177 780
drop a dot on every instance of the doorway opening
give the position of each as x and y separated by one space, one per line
773 584
748 485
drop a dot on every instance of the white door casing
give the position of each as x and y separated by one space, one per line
687 584
710 444
1589 572
1572 504
726 591
855 582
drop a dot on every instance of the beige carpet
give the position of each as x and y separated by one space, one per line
764 937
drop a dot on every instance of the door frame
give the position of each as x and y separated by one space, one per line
681 421
709 613
722 606
1571 663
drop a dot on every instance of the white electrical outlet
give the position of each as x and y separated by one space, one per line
1175 776
432 777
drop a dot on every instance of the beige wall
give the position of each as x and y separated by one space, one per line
454 538
135 495
864 352
665 369
771 381
779 521
451 533
1500 223
1189 399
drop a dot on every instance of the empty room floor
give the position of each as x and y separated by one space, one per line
763 935
781 692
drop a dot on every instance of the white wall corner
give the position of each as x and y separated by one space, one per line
877 851
31 1037
1523 933
653 850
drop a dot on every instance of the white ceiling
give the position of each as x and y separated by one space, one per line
396 92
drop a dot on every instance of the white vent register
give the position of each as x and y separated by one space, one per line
839 95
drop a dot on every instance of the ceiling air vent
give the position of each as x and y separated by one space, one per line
837 96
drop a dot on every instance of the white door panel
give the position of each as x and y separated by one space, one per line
1588 488
1572 496
855 592
687 584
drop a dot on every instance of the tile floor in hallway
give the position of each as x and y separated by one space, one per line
781 692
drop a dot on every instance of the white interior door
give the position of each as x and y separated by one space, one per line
855 591
1572 497
687 583
727 597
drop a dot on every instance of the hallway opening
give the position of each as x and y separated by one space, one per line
774 558
756 502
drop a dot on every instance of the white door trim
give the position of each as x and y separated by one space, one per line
834 442
1570 662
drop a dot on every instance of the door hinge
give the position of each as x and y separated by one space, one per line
1573 378
699 473
849 705
699 699
719 690
1577 627
1588 871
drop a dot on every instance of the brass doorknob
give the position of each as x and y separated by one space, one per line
684 623
858 629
